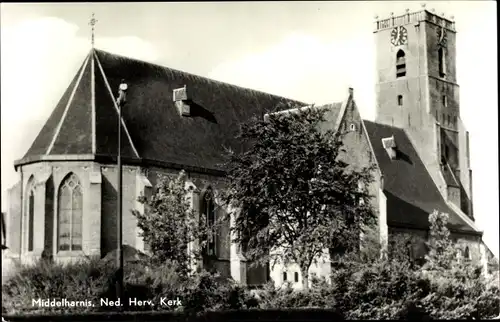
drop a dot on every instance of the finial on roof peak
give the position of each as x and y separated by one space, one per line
92 23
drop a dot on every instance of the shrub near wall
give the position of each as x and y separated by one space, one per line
198 293
92 280
85 280
379 289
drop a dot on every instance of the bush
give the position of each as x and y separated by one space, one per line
80 281
93 279
460 293
378 290
318 296
209 292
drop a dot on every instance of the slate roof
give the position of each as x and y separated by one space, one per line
331 115
85 122
410 191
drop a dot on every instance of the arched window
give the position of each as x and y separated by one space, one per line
30 213
409 251
353 127
444 100
208 210
284 277
70 213
296 276
442 62
400 100
400 64
466 253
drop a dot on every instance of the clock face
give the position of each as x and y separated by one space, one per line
442 36
399 36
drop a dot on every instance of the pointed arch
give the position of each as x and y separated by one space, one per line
30 214
466 253
400 64
209 213
69 214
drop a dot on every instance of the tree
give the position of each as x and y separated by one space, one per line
295 196
442 253
459 290
169 223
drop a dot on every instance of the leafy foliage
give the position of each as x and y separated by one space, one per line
296 197
80 281
169 224
459 287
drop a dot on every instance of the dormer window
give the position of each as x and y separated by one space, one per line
400 64
389 145
181 100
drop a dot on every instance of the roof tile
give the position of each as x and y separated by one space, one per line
410 191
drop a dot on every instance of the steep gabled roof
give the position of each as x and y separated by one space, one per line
84 122
410 191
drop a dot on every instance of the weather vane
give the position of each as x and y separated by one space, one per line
92 23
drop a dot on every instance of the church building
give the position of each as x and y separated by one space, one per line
65 203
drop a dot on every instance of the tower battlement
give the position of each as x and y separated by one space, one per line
414 18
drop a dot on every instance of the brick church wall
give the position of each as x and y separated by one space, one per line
109 207
13 220
48 177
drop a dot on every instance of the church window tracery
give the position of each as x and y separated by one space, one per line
70 213
208 209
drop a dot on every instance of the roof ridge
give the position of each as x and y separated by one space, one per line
92 102
197 76
115 106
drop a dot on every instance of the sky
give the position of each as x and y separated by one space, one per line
308 51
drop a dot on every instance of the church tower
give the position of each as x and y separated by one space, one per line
417 91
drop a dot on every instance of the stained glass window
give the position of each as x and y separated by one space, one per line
70 212
209 212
